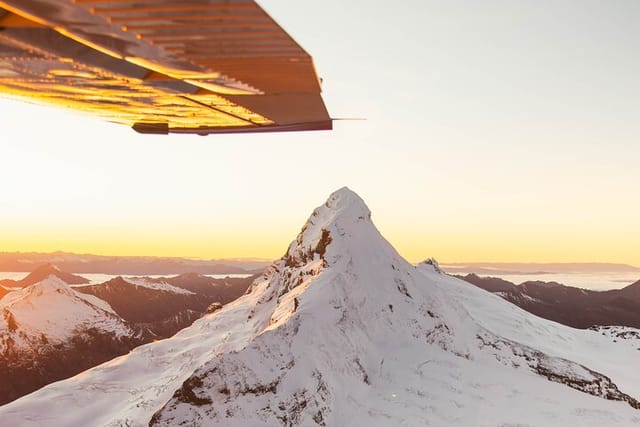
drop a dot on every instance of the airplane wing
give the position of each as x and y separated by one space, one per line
161 66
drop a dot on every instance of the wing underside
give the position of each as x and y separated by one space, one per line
161 66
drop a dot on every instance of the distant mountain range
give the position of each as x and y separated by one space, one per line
164 306
49 332
124 265
53 326
344 331
579 308
497 268
42 272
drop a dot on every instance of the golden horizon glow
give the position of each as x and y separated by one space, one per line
492 141
265 240
234 248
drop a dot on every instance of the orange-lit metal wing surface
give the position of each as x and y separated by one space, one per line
161 66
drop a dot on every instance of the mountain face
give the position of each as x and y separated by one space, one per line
343 331
491 284
579 308
48 332
222 290
165 306
41 273
488 268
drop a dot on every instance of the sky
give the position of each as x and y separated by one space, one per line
495 131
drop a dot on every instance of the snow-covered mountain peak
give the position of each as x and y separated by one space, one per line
51 284
343 330
55 295
49 331
329 228
347 203
49 267
51 308
338 239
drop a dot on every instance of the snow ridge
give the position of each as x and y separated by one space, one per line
51 308
343 331
330 264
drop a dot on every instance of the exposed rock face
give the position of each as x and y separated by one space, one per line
138 304
222 290
434 264
214 307
620 335
169 326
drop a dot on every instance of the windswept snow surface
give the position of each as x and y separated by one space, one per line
343 331
584 346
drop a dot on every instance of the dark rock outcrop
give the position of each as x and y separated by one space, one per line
164 312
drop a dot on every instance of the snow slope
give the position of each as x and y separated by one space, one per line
587 347
52 309
343 331
48 332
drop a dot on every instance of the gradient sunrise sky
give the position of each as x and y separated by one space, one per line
495 131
